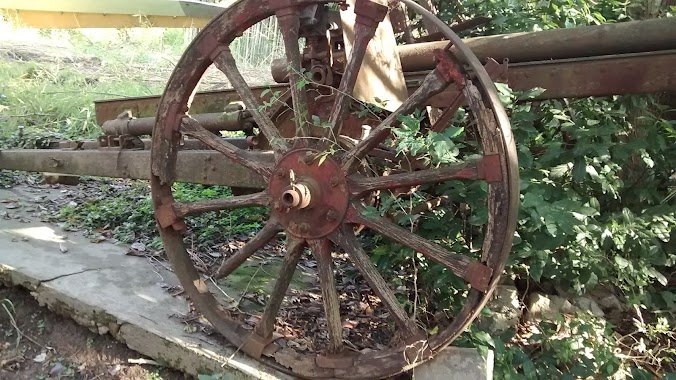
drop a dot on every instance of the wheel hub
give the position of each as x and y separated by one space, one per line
308 193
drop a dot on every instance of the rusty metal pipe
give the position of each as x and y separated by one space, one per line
588 41
187 144
228 121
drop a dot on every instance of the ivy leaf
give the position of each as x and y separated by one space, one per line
652 272
621 262
537 265
662 230
532 93
321 160
559 171
484 338
453 132
579 169
594 203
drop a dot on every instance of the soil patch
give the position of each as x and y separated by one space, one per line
38 344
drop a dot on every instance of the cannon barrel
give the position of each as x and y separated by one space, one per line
608 39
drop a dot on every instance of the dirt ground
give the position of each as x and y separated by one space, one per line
38 344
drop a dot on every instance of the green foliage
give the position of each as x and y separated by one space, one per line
40 103
594 174
566 349
530 15
110 211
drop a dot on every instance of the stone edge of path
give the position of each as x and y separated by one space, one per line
184 356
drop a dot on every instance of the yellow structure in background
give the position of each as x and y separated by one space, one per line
62 14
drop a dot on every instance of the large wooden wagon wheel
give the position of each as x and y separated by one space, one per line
317 202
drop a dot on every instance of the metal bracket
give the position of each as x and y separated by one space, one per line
478 275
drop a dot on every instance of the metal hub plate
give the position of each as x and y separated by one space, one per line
328 188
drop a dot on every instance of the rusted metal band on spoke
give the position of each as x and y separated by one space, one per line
449 67
369 12
490 168
478 275
166 217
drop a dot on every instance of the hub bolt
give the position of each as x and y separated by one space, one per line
331 216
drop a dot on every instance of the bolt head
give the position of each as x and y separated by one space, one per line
331 216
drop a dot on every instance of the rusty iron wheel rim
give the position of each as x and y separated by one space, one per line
499 169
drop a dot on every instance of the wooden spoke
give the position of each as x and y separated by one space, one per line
233 262
449 112
225 62
322 252
289 23
361 186
474 272
344 237
266 325
363 33
241 201
192 127
433 84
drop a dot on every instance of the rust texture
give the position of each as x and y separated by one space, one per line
326 184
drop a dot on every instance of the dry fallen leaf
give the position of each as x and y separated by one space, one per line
40 358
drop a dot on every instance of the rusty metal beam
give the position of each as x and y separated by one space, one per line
577 78
602 76
205 167
187 144
146 106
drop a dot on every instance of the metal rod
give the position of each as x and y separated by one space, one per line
214 122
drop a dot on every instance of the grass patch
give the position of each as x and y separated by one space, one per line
40 102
